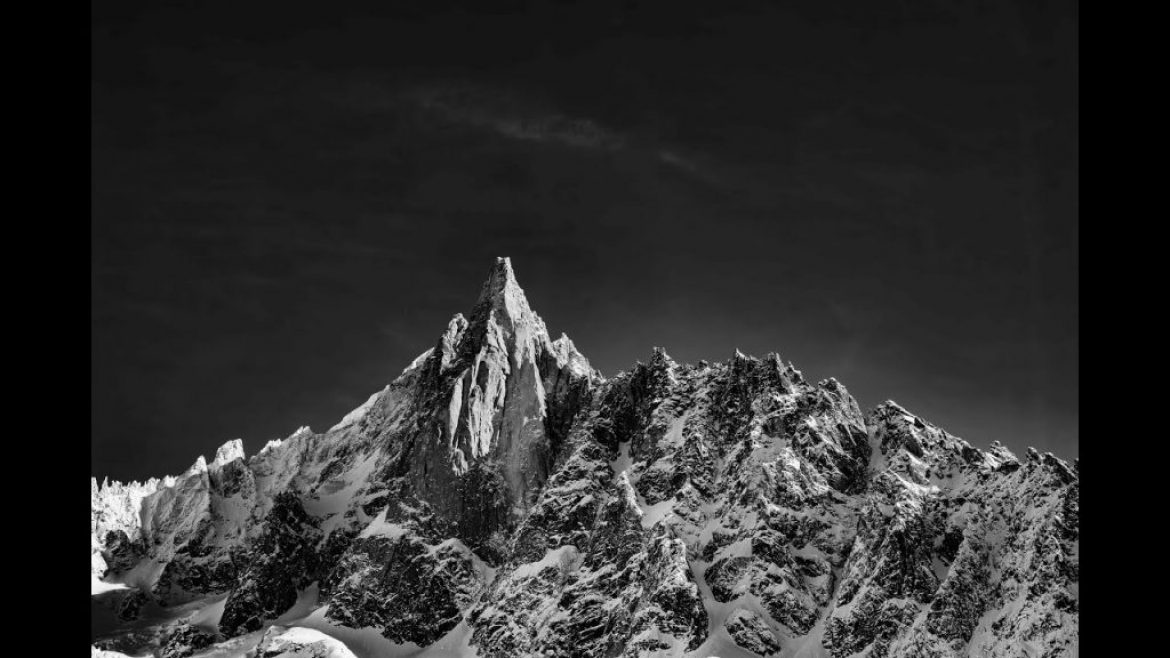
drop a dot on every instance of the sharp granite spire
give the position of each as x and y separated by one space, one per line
499 378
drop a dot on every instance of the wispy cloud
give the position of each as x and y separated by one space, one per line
510 116
516 116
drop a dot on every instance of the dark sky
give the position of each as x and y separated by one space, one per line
290 201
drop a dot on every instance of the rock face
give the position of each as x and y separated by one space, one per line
115 519
751 632
183 641
282 561
501 488
402 578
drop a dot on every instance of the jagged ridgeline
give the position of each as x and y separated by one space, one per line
502 498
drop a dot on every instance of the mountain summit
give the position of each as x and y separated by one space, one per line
501 498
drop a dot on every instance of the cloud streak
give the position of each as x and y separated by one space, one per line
509 116
513 116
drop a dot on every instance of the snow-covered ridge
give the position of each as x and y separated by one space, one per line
523 503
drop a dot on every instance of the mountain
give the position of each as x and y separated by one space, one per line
502 498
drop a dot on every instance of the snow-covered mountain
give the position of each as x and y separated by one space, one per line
501 498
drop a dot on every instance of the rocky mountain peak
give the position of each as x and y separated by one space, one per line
500 498
503 297
566 354
501 281
502 320
228 452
